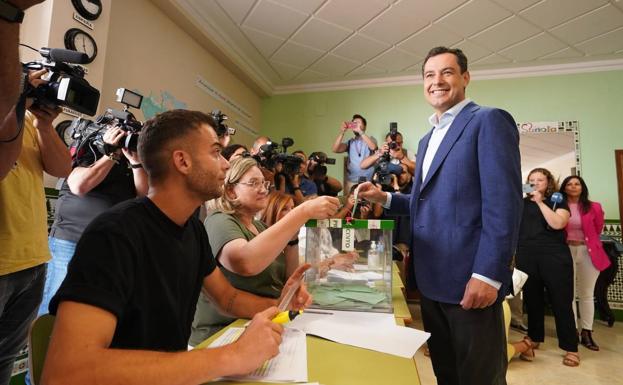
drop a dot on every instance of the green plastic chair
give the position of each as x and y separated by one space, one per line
38 341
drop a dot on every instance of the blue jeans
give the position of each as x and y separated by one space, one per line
20 294
62 251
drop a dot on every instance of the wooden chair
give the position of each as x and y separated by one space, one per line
38 341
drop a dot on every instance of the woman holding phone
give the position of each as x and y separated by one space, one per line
542 253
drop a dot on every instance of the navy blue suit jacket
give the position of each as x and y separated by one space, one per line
465 216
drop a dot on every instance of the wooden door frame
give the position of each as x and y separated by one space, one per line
618 160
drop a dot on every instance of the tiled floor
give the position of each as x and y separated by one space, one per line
596 368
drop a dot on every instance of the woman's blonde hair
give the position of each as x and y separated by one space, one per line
277 200
237 168
552 184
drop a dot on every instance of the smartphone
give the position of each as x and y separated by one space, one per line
351 125
527 188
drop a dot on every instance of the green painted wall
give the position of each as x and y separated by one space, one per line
595 100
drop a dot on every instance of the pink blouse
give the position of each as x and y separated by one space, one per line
574 226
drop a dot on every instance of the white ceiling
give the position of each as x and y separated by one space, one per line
288 44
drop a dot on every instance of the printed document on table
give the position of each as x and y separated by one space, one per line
366 330
290 365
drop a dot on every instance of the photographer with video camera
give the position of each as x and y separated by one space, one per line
106 170
56 83
289 178
23 220
316 170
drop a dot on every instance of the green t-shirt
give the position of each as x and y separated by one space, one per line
223 228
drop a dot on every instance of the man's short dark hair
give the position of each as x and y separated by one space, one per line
160 131
229 150
357 116
461 59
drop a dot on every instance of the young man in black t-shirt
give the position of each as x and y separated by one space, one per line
124 312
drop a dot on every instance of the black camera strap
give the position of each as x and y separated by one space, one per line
20 111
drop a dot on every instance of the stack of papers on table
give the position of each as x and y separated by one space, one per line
373 331
290 365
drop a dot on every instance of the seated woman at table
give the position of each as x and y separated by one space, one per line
252 256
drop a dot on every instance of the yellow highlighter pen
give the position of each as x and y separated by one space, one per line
286 316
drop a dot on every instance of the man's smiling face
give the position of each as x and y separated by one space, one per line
444 84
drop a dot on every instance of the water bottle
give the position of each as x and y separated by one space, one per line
374 258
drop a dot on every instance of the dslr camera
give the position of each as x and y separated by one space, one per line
91 133
65 85
221 128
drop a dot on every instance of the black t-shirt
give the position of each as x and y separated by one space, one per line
136 263
534 230
74 213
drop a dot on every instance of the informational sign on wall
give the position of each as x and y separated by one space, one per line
241 118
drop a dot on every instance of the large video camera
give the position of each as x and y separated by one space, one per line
319 171
272 153
221 128
91 133
383 167
65 85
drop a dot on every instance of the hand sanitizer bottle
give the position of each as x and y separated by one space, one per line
373 257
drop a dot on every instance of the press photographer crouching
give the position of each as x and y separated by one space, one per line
106 170
316 170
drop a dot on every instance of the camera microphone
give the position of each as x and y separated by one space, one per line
64 55
555 199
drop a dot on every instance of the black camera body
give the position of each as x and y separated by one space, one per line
91 133
65 85
221 128
393 134
272 153
319 172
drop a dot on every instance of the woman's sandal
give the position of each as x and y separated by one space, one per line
571 359
528 355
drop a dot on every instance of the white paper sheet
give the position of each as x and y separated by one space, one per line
366 330
290 365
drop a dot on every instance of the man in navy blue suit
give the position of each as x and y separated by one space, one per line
465 210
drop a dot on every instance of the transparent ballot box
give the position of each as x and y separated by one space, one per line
351 264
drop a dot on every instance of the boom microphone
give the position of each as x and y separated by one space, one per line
555 199
64 55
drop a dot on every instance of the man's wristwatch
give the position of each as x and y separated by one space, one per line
136 165
114 157
10 13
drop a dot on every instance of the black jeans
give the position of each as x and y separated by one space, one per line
20 295
467 347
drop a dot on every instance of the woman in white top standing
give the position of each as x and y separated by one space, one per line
583 231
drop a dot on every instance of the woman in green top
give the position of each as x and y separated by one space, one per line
254 257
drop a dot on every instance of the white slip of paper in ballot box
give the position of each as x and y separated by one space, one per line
290 365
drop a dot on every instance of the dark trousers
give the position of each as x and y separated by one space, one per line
20 295
550 269
467 347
